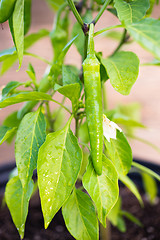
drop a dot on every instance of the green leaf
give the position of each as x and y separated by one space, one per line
103 189
23 97
17 201
114 213
59 162
55 4
123 119
5 133
122 69
12 121
17 28
80 216
150 186
71 91
30 136
10 87
131 218
147 34
31 72
130 184
8 63
120 153
69 76
77 30
83 133
146 170
132 11
27 15
152 3
121 224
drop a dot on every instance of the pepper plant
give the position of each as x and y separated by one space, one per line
78 170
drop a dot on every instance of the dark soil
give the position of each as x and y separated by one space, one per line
149 216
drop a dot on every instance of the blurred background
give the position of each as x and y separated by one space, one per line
146 90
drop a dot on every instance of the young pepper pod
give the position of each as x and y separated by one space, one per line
93 103
6 9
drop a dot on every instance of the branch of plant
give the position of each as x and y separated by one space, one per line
75 12
38 57
123 40
107 28
61 105
106 3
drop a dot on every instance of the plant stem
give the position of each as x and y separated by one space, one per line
61 105
38 57
107 28
101 12
105 233
123 39
75 12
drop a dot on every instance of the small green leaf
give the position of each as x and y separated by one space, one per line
10 87
120 153
31 72
146 170
132 11
131 218
5 133
30 136
130 184
150 187
77 30
17 28
147 34
69 76
103 189
80 216
71 91
12 121
59 162
55 4
122 69
121 224
114 213
126 121
34 37
17 201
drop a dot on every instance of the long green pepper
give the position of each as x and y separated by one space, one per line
93 103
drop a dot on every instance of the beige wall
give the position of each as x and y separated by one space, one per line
146 90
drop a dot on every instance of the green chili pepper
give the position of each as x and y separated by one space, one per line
93 103
6 9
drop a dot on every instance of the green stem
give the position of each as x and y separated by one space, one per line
101 12
61 105
59 12
123 39
107 28
75 12
90 49
38 57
